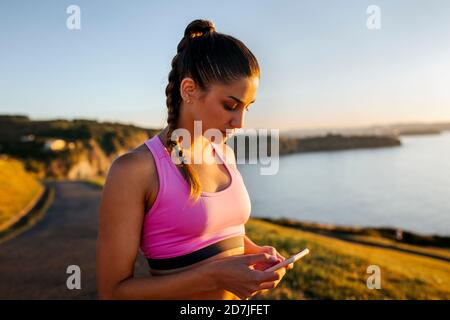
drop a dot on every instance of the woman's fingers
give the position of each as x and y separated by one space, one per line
289 266
269 250
272 284
281 272
281 258
272 251
266 286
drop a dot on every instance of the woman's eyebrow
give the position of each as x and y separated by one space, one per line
236 99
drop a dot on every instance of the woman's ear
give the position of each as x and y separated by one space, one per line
187 89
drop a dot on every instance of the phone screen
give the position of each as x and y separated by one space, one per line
291 259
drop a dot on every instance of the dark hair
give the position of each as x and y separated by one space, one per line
207 57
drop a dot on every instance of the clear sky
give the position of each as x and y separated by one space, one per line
320 64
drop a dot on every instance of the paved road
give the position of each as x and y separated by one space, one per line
33 265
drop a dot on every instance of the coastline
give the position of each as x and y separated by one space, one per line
391 233
431 246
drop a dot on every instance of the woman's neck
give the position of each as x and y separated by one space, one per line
198 143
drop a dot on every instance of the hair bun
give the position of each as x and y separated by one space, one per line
198 28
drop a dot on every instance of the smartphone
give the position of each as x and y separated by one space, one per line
290 260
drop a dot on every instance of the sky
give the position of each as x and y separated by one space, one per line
321 66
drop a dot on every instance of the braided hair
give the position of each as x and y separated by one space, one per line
207 57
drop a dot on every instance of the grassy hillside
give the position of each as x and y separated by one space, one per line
17 189
87 146
337 269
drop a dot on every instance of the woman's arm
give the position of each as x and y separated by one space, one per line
121 218
169 287
249 246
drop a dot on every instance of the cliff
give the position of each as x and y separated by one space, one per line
336 142
329 142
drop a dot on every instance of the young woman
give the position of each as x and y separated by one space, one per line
187 218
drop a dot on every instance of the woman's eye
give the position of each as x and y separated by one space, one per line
234 108
228 107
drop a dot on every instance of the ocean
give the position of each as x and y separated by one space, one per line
405 187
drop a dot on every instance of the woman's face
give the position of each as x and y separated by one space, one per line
222 106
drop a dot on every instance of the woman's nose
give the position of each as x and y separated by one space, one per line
237 121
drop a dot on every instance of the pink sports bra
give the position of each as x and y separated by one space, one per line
177 232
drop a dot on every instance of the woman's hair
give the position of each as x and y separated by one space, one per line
207 57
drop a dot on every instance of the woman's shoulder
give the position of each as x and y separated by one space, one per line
135 161
135 167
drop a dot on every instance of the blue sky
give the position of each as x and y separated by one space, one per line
320 65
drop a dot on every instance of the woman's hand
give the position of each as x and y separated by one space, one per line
252 248
238 275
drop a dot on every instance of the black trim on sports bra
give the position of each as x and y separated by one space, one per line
196 256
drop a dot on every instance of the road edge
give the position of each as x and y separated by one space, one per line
36 211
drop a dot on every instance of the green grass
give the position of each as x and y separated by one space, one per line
17 188
336 269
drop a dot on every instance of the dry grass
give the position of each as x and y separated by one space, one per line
17 188
336 269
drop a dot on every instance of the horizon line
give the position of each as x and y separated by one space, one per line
132 123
